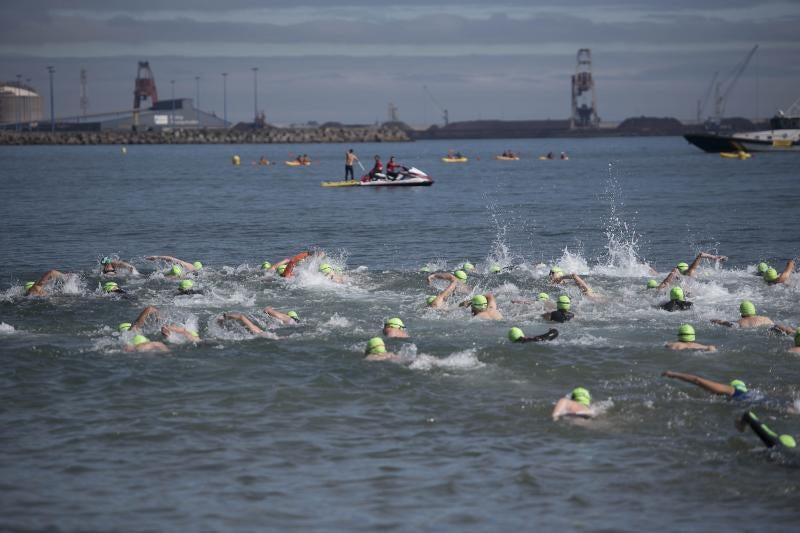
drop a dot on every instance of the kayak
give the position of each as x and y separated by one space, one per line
545 158
410 177
736 155
297 163
461 159
506 158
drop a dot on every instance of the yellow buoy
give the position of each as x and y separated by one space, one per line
124 150
236 160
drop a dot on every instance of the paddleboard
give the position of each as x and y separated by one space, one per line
297 163
350 183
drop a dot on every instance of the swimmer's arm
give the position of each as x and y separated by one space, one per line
719 322
123 264
707 384
168 329
37 288
151 346
672 276
170 259
447 276
783 330
582 285
787 272
146 313
243 320
491 301
700 257
283 317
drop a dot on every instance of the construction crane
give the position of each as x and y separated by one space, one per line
723 88
701 104
445 116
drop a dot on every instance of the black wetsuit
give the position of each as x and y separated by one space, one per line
767 436
190 291
561 316
549 336
676 305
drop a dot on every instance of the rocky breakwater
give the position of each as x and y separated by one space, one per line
343 134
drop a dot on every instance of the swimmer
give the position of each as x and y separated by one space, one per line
467 267
771 275
114 267
186 287
542 298
677 301
189 267
438 301
749 318
736 390
247 323
517 335
266 265
168 330
686 341
112 287
767 436
484 306
556 274
148 313
682 269
394 328
38 288
327 270
579 403
761 269
287 318
376 351
140 343
561 314
652 284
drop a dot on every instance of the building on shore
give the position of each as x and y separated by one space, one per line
20 105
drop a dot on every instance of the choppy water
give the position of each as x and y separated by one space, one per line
249 433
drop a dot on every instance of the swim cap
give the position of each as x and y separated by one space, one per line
293 314
394 323
375 345
479 302
105 261
771 275
28 285
185 285
139 339
495 268
425 269
197 265
124 326
281 269
682 267
193 333
746 308
582 396
325 268
788 441
110 286
542 297
266 265
652 284
762 267
430 299
176 270
556 270
515 334
676 293
686 333
739 385
563 303
467 266
460 274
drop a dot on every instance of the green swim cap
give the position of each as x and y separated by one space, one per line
266 265
563 303
176 270
479 302
193 333
556 270
652 284
582 396
110 286
739 385
515 334
682 267
425 269
686 333
139 339
185 285
542 297
124 326
280 269
771 275
746 308
105 261
788 441
676 293
762 267
293 314
394 323
467 266
495 268
197 265
430 299
460 274
29 284
325 268
375 345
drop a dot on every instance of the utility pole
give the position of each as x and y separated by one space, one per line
255 94
197 92
51 71
225 98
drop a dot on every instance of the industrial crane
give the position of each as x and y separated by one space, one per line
720 95
437 104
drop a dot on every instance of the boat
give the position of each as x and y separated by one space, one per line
506 158
736 155
409 177
783 136
296 163
455 159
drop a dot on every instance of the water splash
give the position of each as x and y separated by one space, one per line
6 329
463 360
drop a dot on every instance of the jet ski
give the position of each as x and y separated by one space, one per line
407 177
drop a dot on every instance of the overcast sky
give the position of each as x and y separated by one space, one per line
345 60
